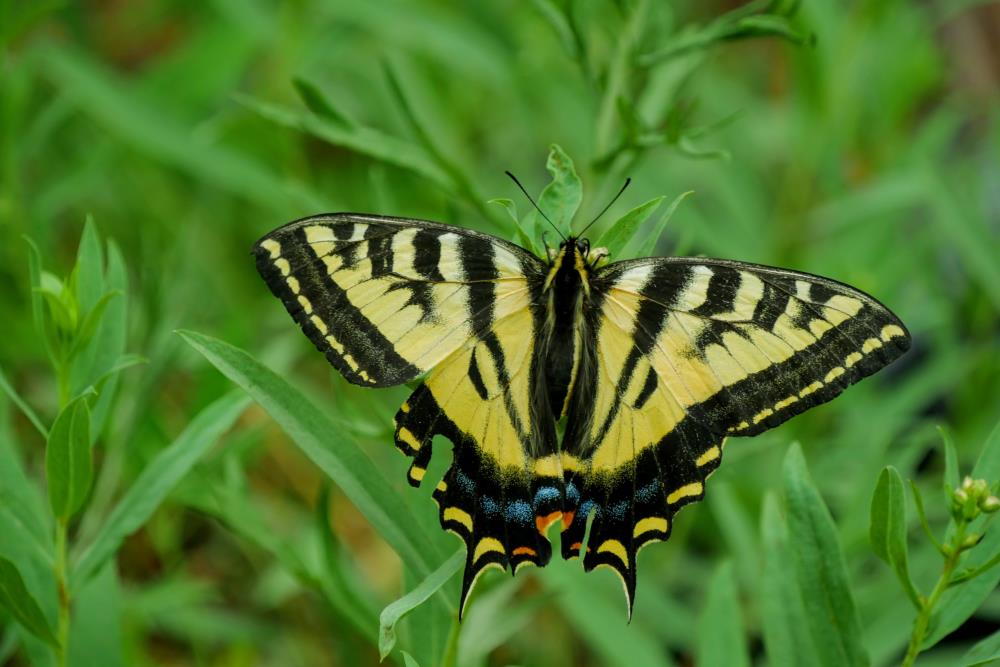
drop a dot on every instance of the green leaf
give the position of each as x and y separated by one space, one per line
624 229
820 568
952 476
983 652
156 481
887 528
988 464
105 355
951 473
25 523
524 235
734 25
342 589
596 610
786 638
328 445
497 617
22 405
61 302
560 24
359 138
96 630
68 462
720 630
398 609
89 269
37 305
409 660
739 533
318 103
91 321
648 246
19 603
561 197
918 503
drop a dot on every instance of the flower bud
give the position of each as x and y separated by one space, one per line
971 540
990 504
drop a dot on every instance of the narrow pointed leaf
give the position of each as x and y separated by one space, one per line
951 474
720 630
984 652
156 481
318 103
329 446
786 638
15 598
624 228
524 237
988 464
68 463
648 246
89 268
22 405
391 615
887 528
820 569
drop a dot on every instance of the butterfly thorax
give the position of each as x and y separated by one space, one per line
567 288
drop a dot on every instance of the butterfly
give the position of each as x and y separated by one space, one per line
569 387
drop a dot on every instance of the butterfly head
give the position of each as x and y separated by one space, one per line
571 264
576 251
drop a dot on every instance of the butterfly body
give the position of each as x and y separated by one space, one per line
568 387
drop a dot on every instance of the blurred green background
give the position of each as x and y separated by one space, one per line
854 139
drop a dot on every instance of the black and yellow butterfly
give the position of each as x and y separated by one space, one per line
568 387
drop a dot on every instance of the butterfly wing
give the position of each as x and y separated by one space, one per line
386 299
686 352
495 495
390 299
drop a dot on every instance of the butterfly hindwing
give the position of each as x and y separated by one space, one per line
686 352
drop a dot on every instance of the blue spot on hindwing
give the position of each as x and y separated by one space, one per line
546 495
647 494
464 483
572 495
519 512
489 507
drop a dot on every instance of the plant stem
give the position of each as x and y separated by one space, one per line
923 619
63 374
62 585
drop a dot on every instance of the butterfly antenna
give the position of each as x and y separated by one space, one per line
605 209
537 208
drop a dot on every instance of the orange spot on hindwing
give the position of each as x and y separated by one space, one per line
543 522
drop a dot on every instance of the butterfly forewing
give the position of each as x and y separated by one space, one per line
387 299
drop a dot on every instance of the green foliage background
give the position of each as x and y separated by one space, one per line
857 140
